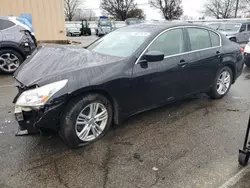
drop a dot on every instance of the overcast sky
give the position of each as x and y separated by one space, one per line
190 7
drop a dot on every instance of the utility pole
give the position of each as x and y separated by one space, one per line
236 9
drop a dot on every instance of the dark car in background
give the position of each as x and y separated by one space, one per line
128 71
16 43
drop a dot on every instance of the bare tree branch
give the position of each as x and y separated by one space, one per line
122 9
220 8
170 9
70 7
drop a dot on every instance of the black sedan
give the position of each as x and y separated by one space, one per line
81 92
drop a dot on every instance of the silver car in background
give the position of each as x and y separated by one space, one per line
73 31
235 31
16 43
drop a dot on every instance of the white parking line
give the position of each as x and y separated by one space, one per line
236 178
7 86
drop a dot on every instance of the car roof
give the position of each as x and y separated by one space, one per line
4 17
159 26
236 22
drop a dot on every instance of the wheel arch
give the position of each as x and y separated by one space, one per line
233 71
233 38
13 47
107 95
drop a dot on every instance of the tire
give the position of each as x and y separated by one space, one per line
13 53
243 159
247 64
89 33
69 127
214 94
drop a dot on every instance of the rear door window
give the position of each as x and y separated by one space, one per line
243 27
5 24
215 39
248 27
199 38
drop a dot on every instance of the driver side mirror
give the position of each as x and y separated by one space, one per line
153 56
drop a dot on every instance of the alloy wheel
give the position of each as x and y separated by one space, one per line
91 122
223 82
9 62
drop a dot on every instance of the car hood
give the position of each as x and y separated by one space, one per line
57 61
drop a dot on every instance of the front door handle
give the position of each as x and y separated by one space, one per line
182 63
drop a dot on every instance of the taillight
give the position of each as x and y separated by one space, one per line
242 50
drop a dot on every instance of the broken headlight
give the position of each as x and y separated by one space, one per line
39 96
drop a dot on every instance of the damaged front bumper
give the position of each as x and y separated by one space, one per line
32 120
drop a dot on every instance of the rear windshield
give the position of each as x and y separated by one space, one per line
105 23
5 24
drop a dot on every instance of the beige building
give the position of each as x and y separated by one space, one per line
47 16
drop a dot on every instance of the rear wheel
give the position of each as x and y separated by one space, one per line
222 83
10 60
86 120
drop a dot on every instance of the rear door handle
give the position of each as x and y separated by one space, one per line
182 63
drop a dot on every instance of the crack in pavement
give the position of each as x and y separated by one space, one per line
87 161
157 178
58 176
106 167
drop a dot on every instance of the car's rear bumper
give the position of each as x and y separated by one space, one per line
76 33
247 59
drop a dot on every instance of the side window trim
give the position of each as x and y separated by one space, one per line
189 43
183 38
184 30
145 50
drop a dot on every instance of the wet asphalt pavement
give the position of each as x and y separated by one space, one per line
191 143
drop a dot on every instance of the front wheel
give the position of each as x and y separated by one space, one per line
10 60
86 120
222 83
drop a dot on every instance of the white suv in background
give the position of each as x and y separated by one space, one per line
16 43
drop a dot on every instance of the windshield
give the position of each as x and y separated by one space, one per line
131 22
120 43
229 27
73 29
105 23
